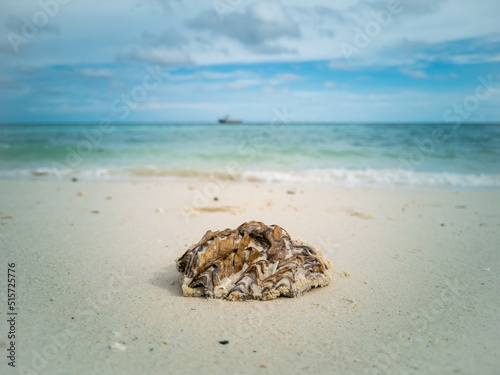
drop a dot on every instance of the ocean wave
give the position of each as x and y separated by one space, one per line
385 178
382 178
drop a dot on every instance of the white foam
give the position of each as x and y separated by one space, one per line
383 178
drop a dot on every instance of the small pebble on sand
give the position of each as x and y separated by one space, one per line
117 347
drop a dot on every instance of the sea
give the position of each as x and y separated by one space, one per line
386 155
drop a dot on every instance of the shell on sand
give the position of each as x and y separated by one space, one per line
254 261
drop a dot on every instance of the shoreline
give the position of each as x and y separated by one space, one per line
384 179
415 279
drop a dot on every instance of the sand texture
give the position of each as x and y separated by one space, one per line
415 285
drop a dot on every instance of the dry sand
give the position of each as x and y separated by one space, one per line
416 285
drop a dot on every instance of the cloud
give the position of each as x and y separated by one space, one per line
288 77
51 91
160 55
164 49
27 69
327 12
273 90
214 75
273 49
254 27
458 51
469 51
280 47
15 31
417 8
319 13
341 65
414 55
7 83
421 7
169 5
5 46
208 74
417 74
96 73
241 84
16 25
169 38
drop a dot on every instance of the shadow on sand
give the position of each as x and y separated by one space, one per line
168 278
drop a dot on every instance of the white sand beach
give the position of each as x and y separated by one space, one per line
369 130
416 280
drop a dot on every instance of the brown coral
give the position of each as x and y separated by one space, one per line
254 261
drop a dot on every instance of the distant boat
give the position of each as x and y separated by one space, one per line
228 120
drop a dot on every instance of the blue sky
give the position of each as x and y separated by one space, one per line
186 60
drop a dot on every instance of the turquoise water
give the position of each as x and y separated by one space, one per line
343 154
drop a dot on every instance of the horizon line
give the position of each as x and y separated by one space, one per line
194 122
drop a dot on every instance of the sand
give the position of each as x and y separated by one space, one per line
415 290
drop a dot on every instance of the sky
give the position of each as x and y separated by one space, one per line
187 60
